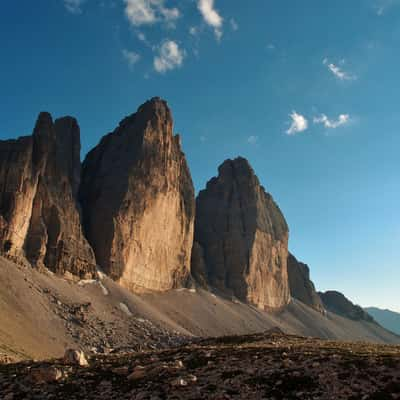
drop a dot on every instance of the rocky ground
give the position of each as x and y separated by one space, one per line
265 366
98 336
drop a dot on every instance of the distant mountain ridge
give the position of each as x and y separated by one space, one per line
337 303
387 318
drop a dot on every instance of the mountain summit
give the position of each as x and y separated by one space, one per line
138 202
39 211
243 237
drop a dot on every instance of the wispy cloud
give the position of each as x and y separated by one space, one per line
169 57
338 71
380 11
343 119
147 12
252 139
234 24
74 6
143 38
131 57
193 30
211 16
299 123
381 6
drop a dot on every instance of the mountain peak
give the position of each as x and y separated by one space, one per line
243 237
238 165
138 202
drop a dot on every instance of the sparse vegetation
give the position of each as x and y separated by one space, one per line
264 366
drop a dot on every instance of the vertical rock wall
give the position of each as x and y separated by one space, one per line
243 237
39 179
138 202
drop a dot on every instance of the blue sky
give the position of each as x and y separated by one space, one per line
307 91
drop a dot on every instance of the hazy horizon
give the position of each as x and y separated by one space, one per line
307 93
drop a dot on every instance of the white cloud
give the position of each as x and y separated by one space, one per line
343 119
234 24
142 37
193 30
131 57
170 14
299 123
211 16
252 139
146 12
139 12
338 71
74 6
169 57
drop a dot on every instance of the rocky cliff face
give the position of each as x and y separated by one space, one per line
39 179
337 303
242 238
301 287
199 267
17 190
138 202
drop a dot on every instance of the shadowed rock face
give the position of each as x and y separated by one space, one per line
301 287
138 202
198 266
39 179
337 303
243 236
18 184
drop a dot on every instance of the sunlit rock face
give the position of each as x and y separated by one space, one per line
18 184
39 180
301 286
138 202
243 238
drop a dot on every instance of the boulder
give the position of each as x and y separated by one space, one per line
75 357
45 374
138 373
